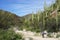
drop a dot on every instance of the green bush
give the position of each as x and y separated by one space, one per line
49 35
9 35
57 36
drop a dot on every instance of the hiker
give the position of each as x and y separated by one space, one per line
44 34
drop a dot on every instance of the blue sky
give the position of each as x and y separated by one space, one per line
23 7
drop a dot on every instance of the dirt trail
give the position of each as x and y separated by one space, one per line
29 34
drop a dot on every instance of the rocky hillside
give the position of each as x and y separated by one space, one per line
8 19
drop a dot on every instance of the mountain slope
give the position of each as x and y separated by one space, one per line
8 19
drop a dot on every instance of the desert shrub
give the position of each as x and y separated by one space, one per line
9 35
57 36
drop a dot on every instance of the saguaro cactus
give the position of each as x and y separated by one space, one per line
44 15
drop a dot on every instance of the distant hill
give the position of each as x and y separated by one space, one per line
8 19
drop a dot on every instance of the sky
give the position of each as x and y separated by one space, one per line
23 7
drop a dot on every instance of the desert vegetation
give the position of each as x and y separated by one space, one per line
48 20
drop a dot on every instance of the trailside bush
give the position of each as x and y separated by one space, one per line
9 35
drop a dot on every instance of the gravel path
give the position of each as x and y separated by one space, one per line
29 34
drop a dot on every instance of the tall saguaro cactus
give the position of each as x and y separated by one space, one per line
44 14
32 16
57 4
38 16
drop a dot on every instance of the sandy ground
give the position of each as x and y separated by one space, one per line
29 34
